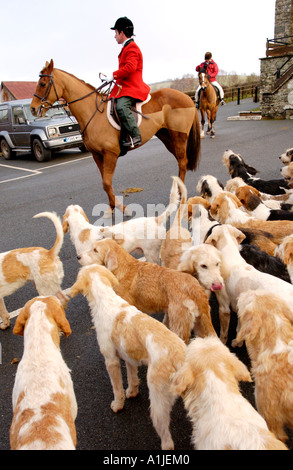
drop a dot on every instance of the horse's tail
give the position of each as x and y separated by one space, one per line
193 144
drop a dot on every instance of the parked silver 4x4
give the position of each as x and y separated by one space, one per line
20 131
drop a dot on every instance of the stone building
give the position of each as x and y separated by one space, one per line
276 79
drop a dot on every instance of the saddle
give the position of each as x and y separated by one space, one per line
115 122
217 91
136 111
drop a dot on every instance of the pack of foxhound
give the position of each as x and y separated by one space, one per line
233 242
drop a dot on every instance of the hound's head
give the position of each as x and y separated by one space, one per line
249 196
209 186
75 212
223 235
87 279
48 312
203 355
234 162
203 262
103 252
223 206
287 157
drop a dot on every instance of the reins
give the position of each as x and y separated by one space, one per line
99 106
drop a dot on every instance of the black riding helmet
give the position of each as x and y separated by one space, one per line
124 24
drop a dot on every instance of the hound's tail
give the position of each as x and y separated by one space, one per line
182 208
58 226
173 202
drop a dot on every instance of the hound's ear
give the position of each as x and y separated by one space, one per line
235 199
186 264
182 380
237 234
288 253
250 169
119 238
111 260
21 320
250 326
240 370
212 239
61 320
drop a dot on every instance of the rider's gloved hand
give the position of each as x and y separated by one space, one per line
107 79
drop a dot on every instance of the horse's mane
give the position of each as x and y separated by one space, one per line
79 79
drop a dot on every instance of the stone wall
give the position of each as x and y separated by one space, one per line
283 18
277 104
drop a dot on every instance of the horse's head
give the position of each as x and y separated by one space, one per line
47 91
203 79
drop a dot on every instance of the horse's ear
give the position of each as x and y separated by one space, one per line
51 66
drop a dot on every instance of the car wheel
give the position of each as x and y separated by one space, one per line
6 151
41 154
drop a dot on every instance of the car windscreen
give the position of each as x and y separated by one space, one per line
52 112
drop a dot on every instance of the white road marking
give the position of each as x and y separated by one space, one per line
19 168
37 172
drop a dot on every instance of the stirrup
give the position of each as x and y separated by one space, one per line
134 142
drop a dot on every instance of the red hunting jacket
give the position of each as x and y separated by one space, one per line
129 74
212 69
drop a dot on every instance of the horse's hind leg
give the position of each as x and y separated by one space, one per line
175 142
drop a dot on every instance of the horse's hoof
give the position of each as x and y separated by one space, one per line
108 213
126 211
202 135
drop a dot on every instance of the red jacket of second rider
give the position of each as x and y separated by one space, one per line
212 69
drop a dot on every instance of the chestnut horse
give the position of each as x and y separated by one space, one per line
172 117
208 103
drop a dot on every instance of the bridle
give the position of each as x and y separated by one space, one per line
99 106
43 98
203 84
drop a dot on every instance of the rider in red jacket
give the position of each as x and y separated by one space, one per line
129 74
212 69
129 77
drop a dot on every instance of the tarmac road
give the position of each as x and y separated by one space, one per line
28 187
